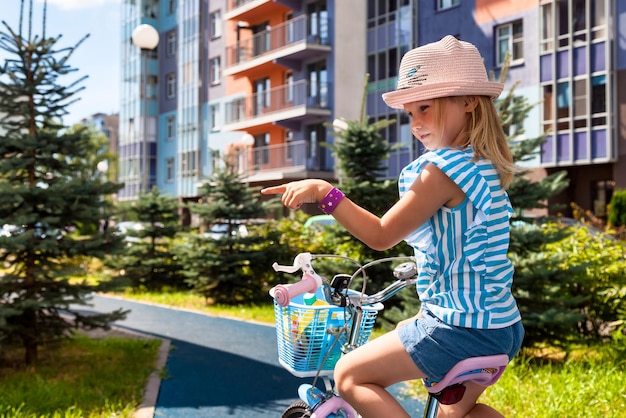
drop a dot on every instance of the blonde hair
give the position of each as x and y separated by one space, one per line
485 135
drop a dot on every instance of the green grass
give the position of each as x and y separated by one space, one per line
82 377
188 300
576 389
579 388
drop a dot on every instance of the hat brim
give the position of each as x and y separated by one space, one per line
398 98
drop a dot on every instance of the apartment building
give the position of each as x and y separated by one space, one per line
262 80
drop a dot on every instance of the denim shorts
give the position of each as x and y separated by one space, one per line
436 347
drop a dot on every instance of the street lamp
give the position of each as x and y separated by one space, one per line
340 125
146 38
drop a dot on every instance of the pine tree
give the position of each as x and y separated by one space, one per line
149 261
229 269
50 190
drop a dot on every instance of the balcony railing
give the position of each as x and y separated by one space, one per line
288 33
272 162
286 97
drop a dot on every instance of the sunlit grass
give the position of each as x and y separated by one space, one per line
576 388
82 377
191 301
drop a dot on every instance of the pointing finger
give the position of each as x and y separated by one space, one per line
274 190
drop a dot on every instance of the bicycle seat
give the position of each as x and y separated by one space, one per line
485 371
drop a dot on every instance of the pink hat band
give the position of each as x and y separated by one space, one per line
448 67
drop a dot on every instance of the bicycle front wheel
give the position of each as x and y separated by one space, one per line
298 409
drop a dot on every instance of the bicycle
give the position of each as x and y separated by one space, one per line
318 320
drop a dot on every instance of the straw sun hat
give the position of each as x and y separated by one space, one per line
448 67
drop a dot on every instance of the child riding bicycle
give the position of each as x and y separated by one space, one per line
454 211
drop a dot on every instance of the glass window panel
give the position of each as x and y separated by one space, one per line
547 29
598 94
547 103
579 15
563 99
580 98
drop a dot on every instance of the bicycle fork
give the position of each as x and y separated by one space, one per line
327 404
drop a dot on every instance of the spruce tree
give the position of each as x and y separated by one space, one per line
228 269
148 261
50 190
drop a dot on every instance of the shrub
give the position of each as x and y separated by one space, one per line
617 208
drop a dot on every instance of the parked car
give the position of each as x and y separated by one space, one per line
220 230
41 231
125 228
318 223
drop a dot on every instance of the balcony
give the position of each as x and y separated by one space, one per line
292 160
295 160
286 44
250 10
291 103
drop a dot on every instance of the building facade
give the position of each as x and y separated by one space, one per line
263 80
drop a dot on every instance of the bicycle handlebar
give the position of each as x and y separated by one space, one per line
310 282
405 273
284 293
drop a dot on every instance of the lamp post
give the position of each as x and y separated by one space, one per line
146 38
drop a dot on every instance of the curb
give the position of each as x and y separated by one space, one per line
151 391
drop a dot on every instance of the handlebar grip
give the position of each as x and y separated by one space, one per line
284 293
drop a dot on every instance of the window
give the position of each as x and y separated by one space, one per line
261 95
171 7
171 86
446 4
188 163
598 20
580 98
171 43
510 39
152 86
289 90
262 156
169 169
215 117
215 24
317 75
171 127
598 100
216 71
289 144
547 28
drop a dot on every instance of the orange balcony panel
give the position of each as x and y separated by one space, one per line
490 10
252 10
254 68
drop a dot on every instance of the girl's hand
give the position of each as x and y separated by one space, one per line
296 193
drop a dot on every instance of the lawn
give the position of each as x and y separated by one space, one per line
78 378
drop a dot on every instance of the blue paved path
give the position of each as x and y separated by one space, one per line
217 367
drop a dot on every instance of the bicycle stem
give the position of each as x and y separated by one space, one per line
358 300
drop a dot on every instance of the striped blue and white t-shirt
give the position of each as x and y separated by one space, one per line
465 276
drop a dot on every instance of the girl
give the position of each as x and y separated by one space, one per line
454 211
